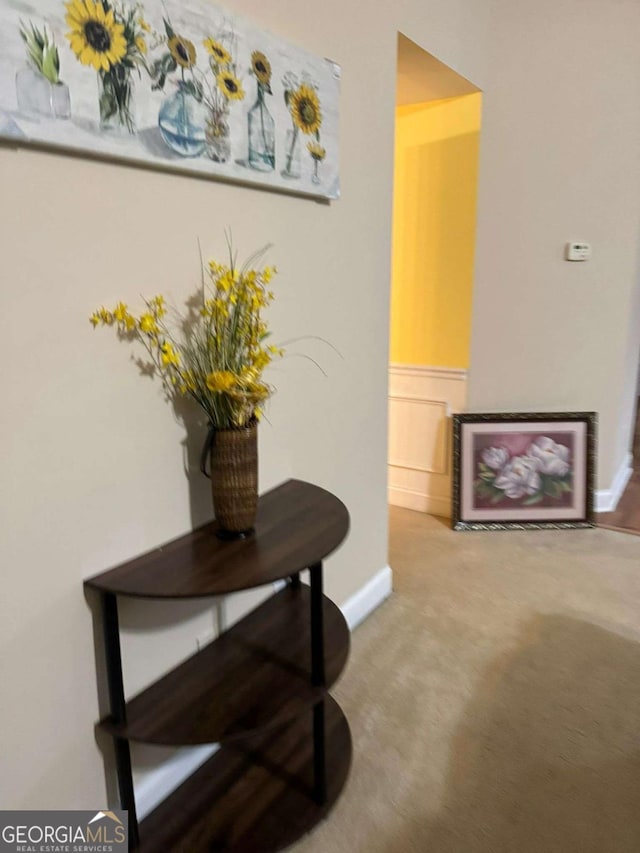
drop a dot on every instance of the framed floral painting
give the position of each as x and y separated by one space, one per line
523 470
186 87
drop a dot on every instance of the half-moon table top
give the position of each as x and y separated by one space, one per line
297 525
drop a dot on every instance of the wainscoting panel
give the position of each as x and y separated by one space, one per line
421 402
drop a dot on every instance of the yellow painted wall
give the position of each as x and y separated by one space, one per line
434 223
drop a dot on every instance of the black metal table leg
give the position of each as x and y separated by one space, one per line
317 626
117 704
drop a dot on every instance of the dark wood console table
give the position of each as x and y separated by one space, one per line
260 690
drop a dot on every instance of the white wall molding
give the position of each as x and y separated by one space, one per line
606 500
421 401
363 602
439 457
419 502
451 374
160 782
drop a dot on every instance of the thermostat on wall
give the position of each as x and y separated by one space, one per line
578 251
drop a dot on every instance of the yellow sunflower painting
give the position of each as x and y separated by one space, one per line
96 38
305 109
261 67
317 151
182 50
217 51
230 86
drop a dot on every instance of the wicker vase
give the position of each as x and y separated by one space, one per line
233 454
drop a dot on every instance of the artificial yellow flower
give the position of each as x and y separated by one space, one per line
95 36
168 355
226 281
305 109
144 25
220 380
120 312
261 360
217 51
188 380
218 356
261 67
141 44
221 308
148 325
230 86
259 390
183 51
157 306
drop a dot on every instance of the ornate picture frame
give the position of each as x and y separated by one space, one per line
521 470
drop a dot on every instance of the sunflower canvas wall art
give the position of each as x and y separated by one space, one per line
190 88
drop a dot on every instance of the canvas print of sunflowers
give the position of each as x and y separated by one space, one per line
179 86
512 470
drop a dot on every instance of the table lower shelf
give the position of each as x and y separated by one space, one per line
253 798
262 668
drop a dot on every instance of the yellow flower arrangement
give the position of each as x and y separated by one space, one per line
220 92
111 38
218 355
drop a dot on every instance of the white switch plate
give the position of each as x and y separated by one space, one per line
578 251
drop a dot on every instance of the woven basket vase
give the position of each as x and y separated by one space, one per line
234 479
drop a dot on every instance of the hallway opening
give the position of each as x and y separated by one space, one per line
437 139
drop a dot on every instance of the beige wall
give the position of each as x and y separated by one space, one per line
559 162
92 469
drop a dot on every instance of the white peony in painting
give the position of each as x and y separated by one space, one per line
513 470
523 469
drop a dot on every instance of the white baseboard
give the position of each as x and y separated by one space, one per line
607 499
419 502
356 608
160 782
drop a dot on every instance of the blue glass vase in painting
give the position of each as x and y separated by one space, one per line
182 120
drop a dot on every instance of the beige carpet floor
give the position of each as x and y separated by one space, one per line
494 700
